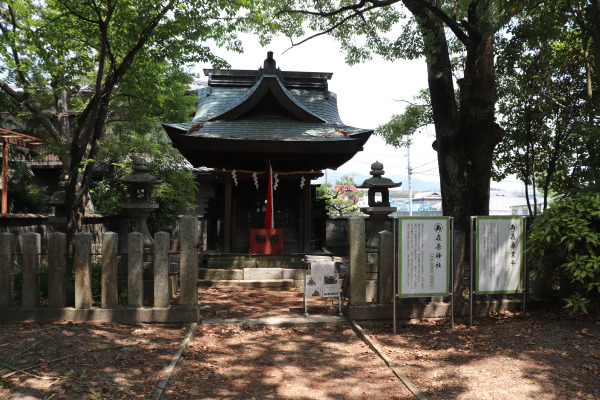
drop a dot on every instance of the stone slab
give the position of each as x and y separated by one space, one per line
220 274
109 288
270 284
262 273
121 315
292 273
280 264
162 244
31 268
282 321
372 257
371 268
213 263
83 277
371 290
188 259
431 310
356 243
6 269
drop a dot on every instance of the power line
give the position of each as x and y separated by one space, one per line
422 165
427 170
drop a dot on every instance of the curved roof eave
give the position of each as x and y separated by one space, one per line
264 85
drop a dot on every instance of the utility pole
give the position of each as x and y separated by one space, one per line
409 182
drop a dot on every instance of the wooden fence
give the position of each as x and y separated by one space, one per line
32 306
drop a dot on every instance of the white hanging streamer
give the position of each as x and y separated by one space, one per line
275 182
302 180
255 177
234 177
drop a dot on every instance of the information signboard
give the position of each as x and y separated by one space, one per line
499 255
424 256
323 281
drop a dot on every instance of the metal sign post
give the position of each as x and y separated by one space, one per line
451 273
499 266
471 250
425 257
394 276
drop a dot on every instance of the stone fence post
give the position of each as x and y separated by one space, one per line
135 270
57 266
109 297
385 288
7 241
83 276
162 244
188 263
358 261
32 247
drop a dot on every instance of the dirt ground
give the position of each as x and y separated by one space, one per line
546 356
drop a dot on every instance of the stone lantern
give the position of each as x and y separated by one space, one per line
140 206
59 220
378 209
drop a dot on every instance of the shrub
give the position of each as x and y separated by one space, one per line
566 240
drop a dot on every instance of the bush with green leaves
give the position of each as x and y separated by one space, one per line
339 200
176 192
566 241
24 196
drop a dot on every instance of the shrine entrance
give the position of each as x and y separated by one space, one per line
250 122
297 212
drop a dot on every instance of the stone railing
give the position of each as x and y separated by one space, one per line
108 310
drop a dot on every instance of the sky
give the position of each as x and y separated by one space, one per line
368 94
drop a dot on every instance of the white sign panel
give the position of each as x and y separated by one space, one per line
424 260
331 285
499 255
312 289
322 281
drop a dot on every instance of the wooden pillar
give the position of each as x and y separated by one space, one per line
4 178
307 216
228 211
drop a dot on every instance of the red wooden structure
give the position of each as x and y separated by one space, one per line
8 138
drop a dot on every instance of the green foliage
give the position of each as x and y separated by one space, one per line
399 130
175 195
339 200
24 196
546 81
118 57
566 239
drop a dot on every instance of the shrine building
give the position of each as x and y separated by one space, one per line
264 134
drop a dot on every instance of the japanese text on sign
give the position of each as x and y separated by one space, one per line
499 255
424 256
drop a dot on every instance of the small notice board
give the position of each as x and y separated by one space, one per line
323 281
424 256
500 248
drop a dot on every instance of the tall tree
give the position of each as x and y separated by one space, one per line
549 82
466 128
98 48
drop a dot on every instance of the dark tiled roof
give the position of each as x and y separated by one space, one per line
244 116
215 101
284 130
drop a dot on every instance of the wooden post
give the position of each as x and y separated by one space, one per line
4 178
307 216
228 211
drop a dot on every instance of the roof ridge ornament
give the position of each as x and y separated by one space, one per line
269 67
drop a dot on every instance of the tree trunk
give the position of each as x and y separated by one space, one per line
465 134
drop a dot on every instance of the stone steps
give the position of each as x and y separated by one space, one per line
260 278
270 284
